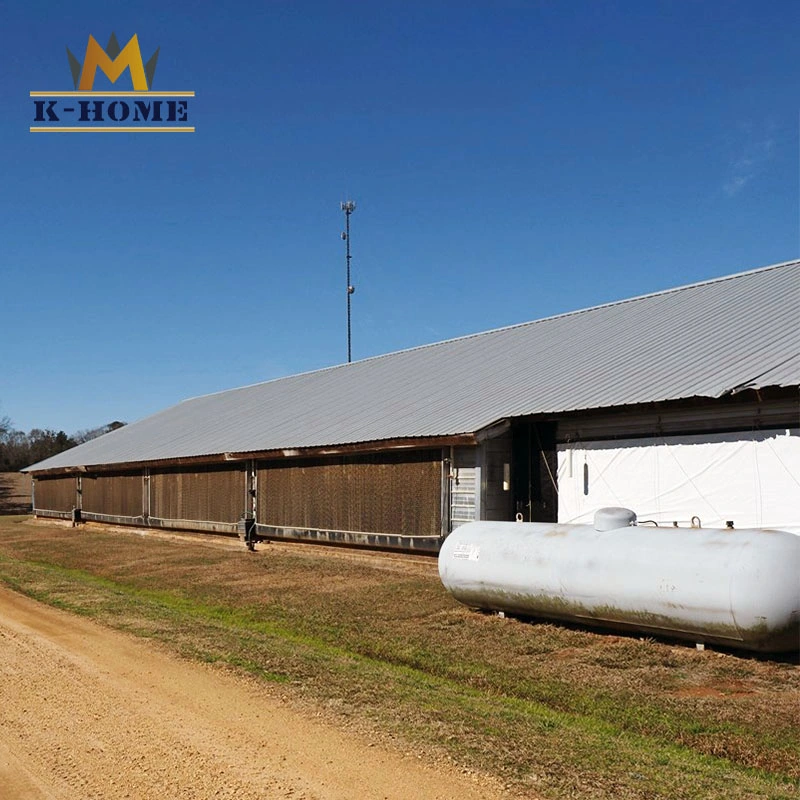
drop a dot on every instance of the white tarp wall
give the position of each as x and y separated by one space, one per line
752 478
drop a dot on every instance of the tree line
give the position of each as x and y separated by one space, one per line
19 450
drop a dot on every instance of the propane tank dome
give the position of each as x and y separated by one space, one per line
613 518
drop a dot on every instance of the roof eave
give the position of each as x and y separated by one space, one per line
408 443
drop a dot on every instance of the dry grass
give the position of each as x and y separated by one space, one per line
375 641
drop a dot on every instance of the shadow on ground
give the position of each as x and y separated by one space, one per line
15 493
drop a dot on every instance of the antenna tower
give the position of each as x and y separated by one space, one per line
348 206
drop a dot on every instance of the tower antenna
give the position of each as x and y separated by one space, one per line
348 206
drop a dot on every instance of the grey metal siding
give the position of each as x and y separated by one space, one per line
465 481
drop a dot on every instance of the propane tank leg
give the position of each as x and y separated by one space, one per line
250 537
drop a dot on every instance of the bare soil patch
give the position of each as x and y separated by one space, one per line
15 493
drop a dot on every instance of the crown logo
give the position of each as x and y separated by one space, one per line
113 61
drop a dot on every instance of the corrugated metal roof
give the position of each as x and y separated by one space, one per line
706 339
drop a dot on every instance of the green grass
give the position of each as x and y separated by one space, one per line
377 643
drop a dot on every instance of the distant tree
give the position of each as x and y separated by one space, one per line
92 433
19 450
45 443
10 445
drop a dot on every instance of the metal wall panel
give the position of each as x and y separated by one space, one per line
208 494
117 495
55 494
463 496
497 497
696 417
393 493
465 481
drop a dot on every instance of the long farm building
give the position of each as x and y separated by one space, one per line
682 405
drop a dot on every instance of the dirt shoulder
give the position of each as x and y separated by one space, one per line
87 712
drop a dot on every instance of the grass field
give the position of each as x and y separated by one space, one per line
375 642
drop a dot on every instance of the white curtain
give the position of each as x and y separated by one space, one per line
750 478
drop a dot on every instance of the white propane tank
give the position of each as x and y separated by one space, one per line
739 588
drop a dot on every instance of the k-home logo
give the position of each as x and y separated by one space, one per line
140 111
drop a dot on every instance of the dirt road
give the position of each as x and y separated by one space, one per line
86 712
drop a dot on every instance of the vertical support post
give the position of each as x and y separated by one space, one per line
250 536
76 511
253 489
447 511
481 478
479 487
146 495
444 504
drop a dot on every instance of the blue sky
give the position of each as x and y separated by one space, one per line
509 160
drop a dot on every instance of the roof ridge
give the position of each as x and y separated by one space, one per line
564 314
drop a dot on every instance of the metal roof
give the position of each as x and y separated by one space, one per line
707 339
